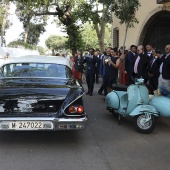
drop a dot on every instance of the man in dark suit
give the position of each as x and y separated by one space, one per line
141 64
90 61
129 63
98 55
153 70
164 78
149 49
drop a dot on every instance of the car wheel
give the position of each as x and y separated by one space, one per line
143 125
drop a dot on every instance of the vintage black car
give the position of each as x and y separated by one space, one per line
40 93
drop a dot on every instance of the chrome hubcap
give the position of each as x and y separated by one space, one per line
143 123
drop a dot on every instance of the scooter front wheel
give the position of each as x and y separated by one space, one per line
145 125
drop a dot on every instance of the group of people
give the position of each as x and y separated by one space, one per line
122 67
151 65
96 65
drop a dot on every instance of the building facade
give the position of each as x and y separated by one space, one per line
153 27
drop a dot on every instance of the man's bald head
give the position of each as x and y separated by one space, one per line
167 49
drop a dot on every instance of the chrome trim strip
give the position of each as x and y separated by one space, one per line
70 104
70 123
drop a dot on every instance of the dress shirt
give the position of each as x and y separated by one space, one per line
149 53
136 64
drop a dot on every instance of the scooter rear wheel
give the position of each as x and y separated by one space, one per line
144 126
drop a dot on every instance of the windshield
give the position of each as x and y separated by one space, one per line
35 70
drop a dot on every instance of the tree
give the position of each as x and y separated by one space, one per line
1 16
4 9
125 10
41 50
90 38
35 30
21 44
55 43
33 25
97 12
62 11
69 12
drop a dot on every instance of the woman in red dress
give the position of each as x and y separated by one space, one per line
123 79
77 74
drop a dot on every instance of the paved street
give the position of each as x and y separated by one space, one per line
103 145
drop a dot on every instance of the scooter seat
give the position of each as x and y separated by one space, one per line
119 87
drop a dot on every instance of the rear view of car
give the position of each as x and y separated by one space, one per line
39 93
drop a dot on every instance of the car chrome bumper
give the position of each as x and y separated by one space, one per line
52 124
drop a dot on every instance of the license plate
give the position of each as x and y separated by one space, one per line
30 125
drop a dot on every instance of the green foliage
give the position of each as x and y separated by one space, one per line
1 16
85 12
41 50
94 11
75 40
25 12
36 3
20 44
2 12
35 30
55 42
125 10
90 38
69 12
33 25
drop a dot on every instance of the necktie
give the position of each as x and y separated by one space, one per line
136 64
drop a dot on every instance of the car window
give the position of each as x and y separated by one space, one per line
35 70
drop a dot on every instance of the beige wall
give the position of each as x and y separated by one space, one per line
147 9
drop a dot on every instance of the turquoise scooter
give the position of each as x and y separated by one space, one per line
134 101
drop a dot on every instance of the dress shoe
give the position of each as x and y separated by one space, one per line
91 94
105 94
87 93
100 93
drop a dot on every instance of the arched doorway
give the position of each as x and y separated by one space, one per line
157 31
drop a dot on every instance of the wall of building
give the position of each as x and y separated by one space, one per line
147 9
